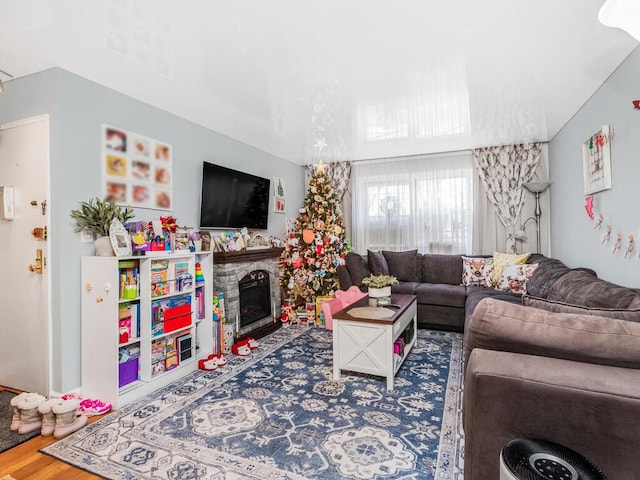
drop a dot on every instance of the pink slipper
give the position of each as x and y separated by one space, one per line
90 407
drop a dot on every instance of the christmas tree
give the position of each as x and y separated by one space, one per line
316 245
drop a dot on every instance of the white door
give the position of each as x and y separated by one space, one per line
24 294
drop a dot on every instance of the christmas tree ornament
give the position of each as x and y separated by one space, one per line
308 235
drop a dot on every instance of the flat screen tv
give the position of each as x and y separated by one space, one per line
233 199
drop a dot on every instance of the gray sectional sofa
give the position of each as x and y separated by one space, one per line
435 279
561 363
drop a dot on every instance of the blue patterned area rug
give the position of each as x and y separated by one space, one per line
278 414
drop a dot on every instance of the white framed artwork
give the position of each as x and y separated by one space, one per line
120 239
596 161
279 196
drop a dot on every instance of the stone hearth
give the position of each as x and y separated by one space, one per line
230 267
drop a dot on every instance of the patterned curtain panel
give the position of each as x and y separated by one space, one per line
503 172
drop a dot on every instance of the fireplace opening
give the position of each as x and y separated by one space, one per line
255 297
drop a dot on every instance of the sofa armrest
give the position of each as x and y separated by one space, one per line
592 409
503 326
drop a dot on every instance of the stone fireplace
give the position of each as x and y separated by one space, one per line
250 282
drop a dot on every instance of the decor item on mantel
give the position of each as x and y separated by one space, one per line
96 216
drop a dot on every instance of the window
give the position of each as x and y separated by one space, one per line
424 203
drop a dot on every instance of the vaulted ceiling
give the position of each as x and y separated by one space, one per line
341 79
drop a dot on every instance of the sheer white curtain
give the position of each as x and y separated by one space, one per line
423 202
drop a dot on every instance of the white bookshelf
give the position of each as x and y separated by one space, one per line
102 342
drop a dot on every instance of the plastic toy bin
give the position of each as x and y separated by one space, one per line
128 372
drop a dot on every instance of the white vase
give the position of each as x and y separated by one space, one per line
103 247
379 292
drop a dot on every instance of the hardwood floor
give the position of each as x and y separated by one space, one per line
24 462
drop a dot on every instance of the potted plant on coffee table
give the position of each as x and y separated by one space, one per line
379 285
96 216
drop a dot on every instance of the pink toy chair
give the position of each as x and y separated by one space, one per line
329 308
342 300
350 295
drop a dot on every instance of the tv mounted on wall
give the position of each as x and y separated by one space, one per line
233 199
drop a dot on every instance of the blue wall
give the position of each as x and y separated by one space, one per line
573 237
77 109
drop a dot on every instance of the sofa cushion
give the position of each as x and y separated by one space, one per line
357 266
437 268
377 263
578 287
497 325
441 294
402 265
515 277
548 272
632 315
405 288
477 271
501 260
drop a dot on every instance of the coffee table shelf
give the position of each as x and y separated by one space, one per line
365 345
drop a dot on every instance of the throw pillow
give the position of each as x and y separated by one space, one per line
357 266
501 260
514 278
377 263
477 272
403 265
631 315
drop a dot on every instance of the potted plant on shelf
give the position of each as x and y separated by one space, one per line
96 216
379 285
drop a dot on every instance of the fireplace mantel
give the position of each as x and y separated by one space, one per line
243 256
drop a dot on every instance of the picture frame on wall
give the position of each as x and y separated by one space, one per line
279 196
596 161
137 170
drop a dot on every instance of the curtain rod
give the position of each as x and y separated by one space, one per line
411 157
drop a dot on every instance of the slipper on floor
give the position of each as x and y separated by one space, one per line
90 407
252 344
241 348
208 364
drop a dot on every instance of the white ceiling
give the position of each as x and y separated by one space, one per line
343 79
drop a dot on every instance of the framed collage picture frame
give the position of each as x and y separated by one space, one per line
137 171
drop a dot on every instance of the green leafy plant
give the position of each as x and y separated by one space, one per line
379 281
96 215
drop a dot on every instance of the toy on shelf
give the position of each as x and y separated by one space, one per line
199 274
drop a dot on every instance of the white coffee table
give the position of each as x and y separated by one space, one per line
365 345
